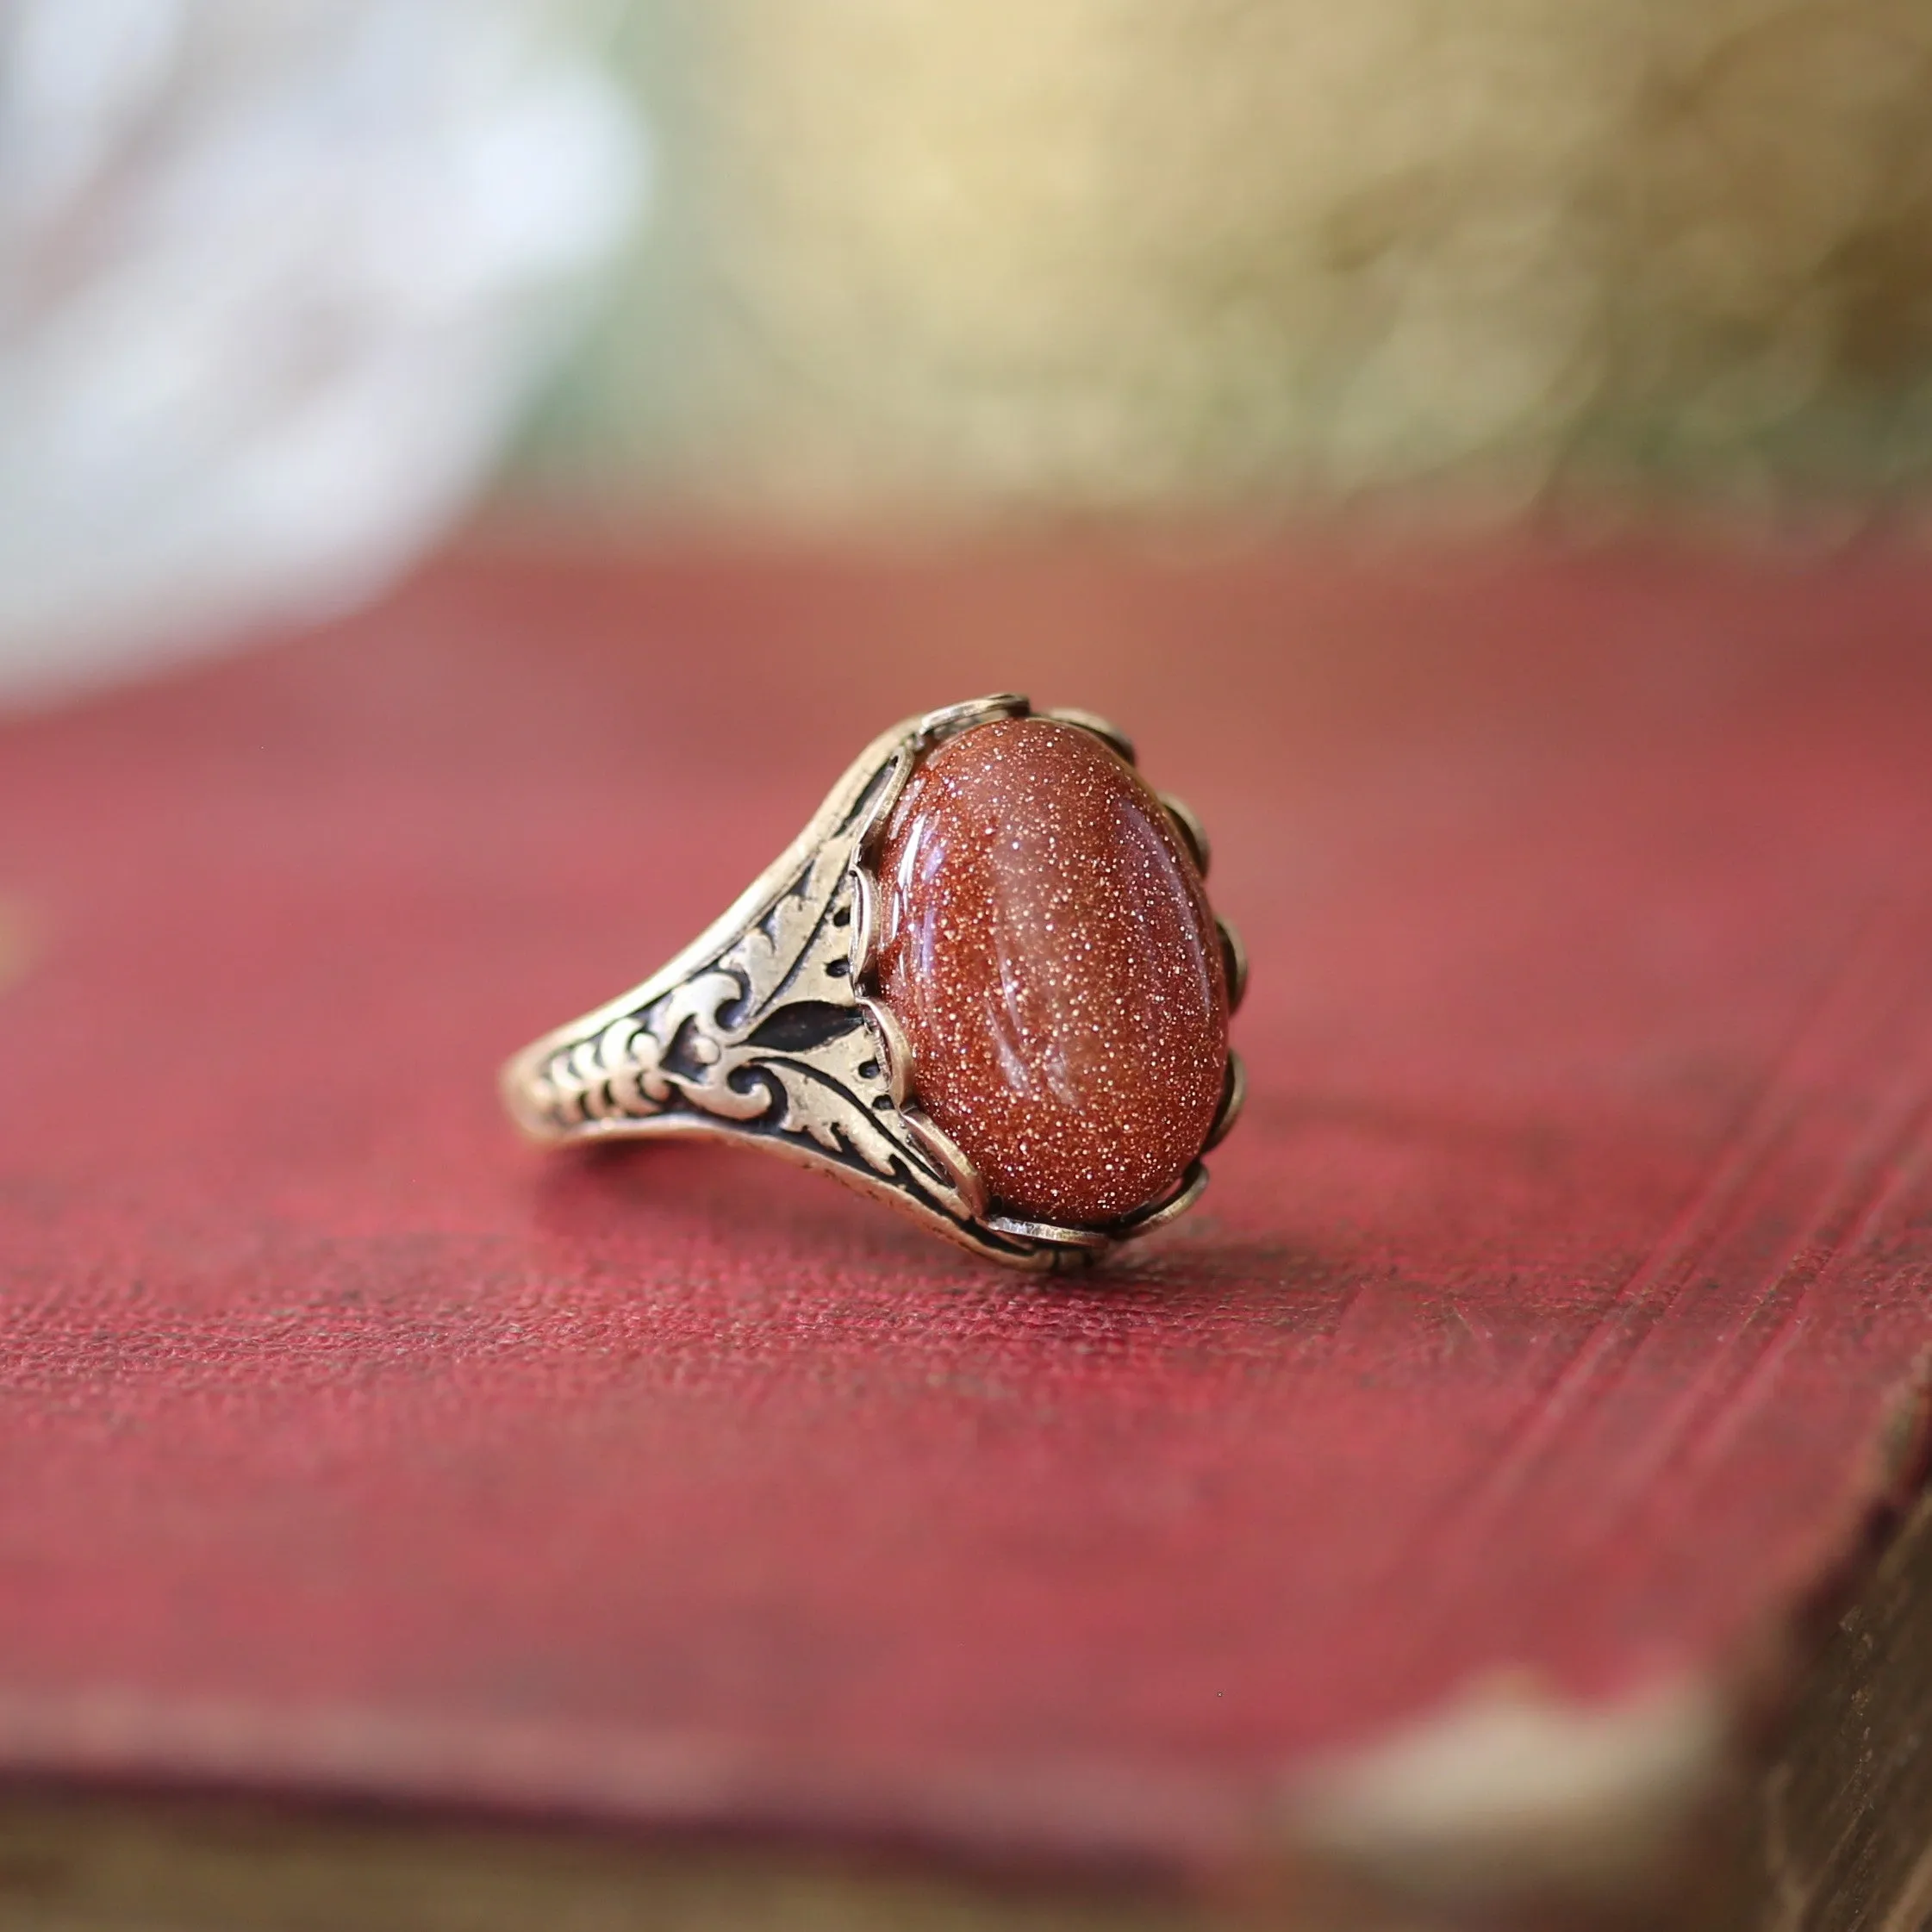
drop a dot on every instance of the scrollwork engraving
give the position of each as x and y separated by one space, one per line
768 1036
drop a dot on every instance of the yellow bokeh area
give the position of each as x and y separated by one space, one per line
1125 256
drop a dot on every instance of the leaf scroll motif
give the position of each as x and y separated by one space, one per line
769 1036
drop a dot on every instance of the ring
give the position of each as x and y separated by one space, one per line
984 985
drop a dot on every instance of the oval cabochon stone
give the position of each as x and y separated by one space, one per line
1046 943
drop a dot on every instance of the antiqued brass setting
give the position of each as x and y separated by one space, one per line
769 1029
1194 834
1234 963
1234 1097
1157 1214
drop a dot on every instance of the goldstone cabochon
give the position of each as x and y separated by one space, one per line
1047 945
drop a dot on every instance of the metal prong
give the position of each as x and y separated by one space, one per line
1103 729
880 810
937 726
895 1049
1234 1096
1234 962
1090 1240
1193 1185
1194 834
957 1168
865 924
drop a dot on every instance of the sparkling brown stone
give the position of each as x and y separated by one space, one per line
1046 943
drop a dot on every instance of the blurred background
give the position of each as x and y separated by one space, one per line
288 287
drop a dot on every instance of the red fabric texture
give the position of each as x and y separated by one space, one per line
1550 1308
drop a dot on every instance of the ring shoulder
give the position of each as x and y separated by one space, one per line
757 1032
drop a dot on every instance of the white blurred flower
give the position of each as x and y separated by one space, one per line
275 278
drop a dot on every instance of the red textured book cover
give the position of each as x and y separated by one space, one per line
1553 1311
